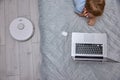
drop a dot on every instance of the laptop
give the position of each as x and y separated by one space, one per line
89 47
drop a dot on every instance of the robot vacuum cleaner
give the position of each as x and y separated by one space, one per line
21 29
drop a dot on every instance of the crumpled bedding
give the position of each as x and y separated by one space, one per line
57 16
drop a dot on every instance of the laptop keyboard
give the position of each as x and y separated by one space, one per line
89 48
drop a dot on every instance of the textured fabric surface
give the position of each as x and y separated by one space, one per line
57 16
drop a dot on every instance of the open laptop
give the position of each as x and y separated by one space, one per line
89 46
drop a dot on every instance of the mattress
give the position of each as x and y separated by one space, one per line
57 16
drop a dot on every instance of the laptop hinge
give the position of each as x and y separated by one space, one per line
90 57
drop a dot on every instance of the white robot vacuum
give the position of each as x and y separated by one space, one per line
21 29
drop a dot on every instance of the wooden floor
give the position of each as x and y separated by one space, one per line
19 60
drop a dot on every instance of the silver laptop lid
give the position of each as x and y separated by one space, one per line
94 40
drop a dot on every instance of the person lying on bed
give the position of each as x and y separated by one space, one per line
89 9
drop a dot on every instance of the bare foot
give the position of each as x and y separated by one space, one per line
92 21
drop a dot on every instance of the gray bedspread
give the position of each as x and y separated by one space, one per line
57 16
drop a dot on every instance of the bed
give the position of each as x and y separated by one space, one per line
57 16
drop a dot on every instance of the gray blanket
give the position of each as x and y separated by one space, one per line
57 16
